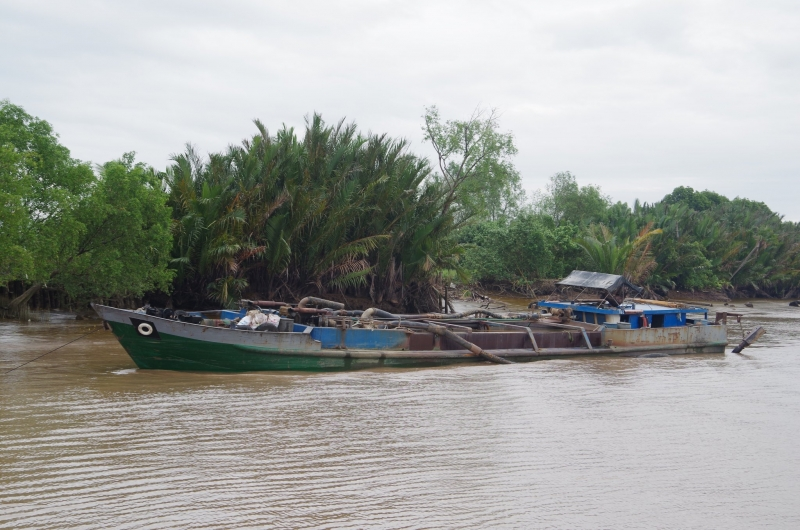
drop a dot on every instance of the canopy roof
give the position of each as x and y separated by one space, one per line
598 280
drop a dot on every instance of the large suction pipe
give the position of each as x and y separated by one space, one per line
374 312
319 302
443 316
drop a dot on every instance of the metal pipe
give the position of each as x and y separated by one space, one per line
375 312
266 303
310 311
346 313
320 302
441 316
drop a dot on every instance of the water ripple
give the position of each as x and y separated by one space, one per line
688 442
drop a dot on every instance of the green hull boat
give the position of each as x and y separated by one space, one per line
161 343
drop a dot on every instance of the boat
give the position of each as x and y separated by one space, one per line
320 335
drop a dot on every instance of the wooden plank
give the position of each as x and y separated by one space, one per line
673 305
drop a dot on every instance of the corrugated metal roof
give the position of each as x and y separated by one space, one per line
598 280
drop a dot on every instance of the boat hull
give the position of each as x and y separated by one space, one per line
177 352
174 345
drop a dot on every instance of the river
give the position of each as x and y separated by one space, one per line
696 441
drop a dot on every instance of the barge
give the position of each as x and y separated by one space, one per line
319 335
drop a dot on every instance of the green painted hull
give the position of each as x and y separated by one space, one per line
163 344
172 352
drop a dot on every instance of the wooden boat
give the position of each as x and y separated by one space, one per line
317 335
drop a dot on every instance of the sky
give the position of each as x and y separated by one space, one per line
637 97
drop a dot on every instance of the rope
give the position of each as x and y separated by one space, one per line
54 349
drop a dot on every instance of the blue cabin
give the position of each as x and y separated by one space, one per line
632 315
629 314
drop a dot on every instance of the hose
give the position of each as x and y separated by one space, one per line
319 302
465 314
374 312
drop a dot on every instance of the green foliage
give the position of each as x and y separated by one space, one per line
567 252
520 251
15 260
40 185
709 242
690 240
63 225
476 173
567 202
529 247
485 251
611 254
332 210
117 240
696 200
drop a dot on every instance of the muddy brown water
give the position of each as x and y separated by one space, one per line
698 441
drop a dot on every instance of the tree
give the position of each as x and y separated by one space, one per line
15 260
65 226
529 248
630 257
474 160
118 238
41 184
327 210
566 202
696 200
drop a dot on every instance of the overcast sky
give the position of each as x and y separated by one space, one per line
637 97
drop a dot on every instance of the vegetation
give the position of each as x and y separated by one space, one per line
476 174
102 233
336 212
689 240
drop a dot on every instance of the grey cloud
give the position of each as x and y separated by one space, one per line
638 97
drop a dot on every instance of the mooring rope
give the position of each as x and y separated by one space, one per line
54 349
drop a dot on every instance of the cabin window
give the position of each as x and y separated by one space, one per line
657 321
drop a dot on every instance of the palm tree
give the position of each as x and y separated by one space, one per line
333 211
629 257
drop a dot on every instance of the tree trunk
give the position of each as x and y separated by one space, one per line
22 299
